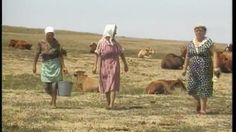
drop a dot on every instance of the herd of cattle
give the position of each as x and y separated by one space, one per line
169 61
173 61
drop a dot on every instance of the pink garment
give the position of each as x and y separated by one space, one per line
109 70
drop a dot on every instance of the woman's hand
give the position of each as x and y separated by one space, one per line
34 69
216 72
126 68
65 70
94 70
184 72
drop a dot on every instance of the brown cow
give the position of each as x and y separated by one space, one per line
93 47
173 61
146 53
21 44
85 83
224 61
164 86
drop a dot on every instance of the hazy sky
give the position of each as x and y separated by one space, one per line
157 19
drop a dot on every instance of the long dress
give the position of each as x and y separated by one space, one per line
200 69
109 69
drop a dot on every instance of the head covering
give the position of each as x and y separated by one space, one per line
200 26
109 30
49 29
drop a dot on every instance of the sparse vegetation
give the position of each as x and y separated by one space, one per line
25 105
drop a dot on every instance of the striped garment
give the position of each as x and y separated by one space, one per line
51 71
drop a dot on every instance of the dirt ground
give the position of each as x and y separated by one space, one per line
29 109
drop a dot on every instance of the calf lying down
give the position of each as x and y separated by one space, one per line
164 86
85 83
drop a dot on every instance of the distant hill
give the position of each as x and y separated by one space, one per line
78 42
17 29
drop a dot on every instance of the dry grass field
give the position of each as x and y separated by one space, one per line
25 105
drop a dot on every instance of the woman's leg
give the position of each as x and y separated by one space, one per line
197 98
54 93
108 94
203 101
113 96
48 89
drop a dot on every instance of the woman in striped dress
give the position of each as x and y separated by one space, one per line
200 61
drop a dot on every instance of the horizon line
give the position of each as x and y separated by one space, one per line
132 37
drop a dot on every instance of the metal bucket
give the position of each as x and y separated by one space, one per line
64 88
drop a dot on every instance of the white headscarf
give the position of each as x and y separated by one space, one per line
48 29
109 30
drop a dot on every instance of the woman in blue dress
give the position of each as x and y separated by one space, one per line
200 61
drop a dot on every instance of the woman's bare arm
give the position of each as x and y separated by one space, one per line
124 61
186 63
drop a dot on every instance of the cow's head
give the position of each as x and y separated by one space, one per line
225 62
80 76
149 51
152 51
28 46
179 84
93 47
12 43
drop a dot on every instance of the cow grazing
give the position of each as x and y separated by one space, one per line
224 61
93 47
173 61
21 44
85 83
164 86
146 53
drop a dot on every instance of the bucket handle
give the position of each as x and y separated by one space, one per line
66 75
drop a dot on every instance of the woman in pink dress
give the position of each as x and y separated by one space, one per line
107 55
